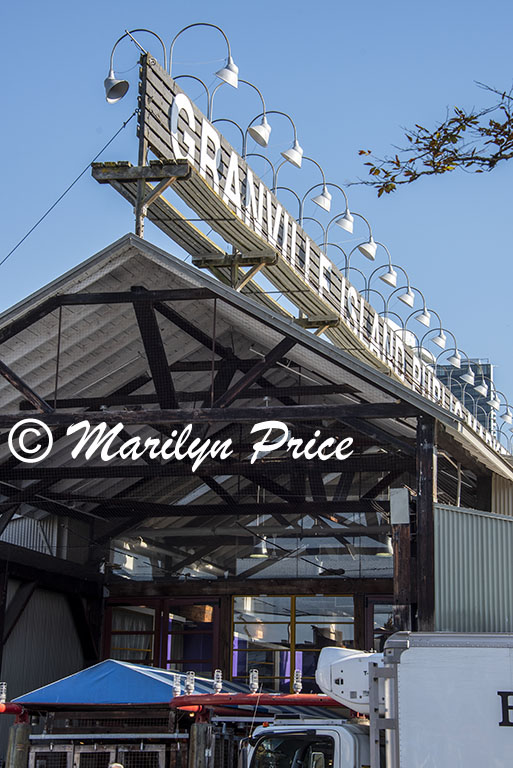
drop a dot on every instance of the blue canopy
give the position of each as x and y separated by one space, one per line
118 682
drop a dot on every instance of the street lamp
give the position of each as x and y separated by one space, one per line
260 133
441 339
293 155
369 247
323 200
425 317
408 297
229 73
115 89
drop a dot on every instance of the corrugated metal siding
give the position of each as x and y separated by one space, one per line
473 571
502 496
43 647
40 535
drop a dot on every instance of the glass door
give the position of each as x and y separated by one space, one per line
190 635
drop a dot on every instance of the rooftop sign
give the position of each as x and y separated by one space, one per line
225 192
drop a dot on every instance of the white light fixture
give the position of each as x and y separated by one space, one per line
368 249
229 73
507 416
424 318
294 155
390 277
389 550
260 549
323 200
468 377
482 389
455 359
261 132
408 297
114 89
346 222
494 402
440 340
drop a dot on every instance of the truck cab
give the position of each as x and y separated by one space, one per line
309 743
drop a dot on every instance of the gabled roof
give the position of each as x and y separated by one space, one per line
117 682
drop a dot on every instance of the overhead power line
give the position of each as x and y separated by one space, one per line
50 209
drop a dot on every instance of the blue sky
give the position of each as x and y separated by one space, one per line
350 75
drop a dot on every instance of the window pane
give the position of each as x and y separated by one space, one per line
383 624
287 751
323 608
190 646
268 662
201 667
261 634
322 635
190 617
131 647
261 608
136 618
306 661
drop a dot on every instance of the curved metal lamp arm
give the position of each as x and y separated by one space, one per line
274 112
336 245
451 349
389 265
408 287
311 218
259 154
246 82
232 122
440 329
349 256
189 26
129 33
366 221
198 80
323 184
275 182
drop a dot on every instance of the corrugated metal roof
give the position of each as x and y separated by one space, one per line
101 349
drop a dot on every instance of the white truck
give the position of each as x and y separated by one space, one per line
442 700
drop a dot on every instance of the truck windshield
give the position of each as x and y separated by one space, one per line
291 751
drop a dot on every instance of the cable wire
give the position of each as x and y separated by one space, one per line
50 209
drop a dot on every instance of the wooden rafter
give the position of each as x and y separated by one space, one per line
155 353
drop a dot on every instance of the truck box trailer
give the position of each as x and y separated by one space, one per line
442 700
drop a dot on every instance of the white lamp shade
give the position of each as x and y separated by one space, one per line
388 550
482 389
323 200
261 132
229 73
346 222
114 89
260 549
368 249
468 377
407 298
455 359
494 403
390 277
424 318
294 155
507 416
440 340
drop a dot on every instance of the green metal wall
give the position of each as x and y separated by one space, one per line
473 570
